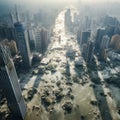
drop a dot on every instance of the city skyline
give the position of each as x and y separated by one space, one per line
55 2
60 60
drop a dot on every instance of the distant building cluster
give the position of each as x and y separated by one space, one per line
96 36
22 44
24 38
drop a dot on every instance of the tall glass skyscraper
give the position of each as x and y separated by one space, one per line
10 86
23 43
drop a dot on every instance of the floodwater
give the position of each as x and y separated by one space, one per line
65 72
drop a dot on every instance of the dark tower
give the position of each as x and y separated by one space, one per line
9 84
22 42
89 53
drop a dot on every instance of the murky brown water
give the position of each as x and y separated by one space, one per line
83 94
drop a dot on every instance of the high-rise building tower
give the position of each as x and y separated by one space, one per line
105 42
11 45
87 23
68 19
38 40
31 36
9 84
89 52
22 42
12 20
7 32
44 39
79 34
100 33
85 37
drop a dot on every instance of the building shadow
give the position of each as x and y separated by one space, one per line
67 68
37 81
28 77
100 95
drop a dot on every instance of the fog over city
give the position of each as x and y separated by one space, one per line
59 59
39 1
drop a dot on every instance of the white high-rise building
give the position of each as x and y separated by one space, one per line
105 42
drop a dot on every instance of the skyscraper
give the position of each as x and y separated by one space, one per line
87 23
9 84
22 42
79 36
85 37
7 32
38 40
105 42
100 33
12 46
68 19
12 20
31 36
44 39
89 52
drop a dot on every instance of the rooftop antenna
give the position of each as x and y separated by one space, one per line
16 12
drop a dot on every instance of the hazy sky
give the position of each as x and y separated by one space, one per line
99 0
39 1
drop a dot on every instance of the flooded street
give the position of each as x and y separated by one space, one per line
64 92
